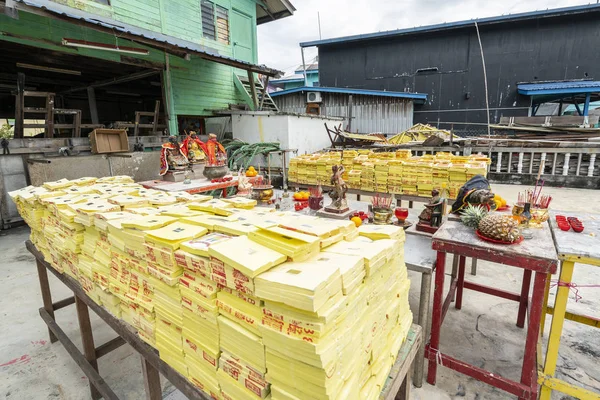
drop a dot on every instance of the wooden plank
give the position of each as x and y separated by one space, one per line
109 346
34 110
114 81
31 93
63 303
252 89
19 106
87 339
263 94
74 352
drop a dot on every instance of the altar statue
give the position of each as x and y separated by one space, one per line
215 152
194 149
339 204
171 157
434 210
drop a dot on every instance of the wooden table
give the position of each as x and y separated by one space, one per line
535 255
572 248
396 387
196 186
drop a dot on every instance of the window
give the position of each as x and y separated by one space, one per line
207 10
215 26
222 24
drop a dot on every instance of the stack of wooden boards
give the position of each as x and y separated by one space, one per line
247 303
390 172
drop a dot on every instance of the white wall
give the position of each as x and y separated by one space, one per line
305 133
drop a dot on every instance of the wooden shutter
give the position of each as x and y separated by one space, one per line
207 9
222 25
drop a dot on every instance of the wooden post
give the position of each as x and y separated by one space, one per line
151 380
46 295
49 133
20 106
253 89
136 129
155 121
87 339
77 124
93 107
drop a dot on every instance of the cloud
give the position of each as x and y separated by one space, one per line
278 40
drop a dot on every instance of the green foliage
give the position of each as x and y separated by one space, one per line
471 215
242 153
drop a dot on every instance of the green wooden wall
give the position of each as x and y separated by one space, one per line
197 86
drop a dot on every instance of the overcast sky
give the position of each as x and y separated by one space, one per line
278 41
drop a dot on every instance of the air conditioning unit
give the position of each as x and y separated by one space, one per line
313 97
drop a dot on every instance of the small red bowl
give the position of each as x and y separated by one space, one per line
564 227
561 218
578 229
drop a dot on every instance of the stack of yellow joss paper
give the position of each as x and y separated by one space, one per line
392 172
247 303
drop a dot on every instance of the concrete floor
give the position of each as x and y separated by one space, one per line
482 333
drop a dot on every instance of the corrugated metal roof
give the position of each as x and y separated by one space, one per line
275 9
364 92
117 26
559 87
458 24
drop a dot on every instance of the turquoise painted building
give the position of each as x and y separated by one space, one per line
296 79
112 58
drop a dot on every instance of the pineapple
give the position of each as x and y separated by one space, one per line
493 225
499 227
471 215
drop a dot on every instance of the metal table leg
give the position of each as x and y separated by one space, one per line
473 266
423 321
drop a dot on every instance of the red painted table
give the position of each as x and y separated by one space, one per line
536 255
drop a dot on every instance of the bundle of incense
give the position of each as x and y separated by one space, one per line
381 201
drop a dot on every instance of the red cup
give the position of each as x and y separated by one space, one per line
401 214
578 228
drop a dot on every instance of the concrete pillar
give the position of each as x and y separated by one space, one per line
542 163
520 164
566 164
591 167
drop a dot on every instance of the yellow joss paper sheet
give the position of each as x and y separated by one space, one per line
247 256
200 246
171 235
